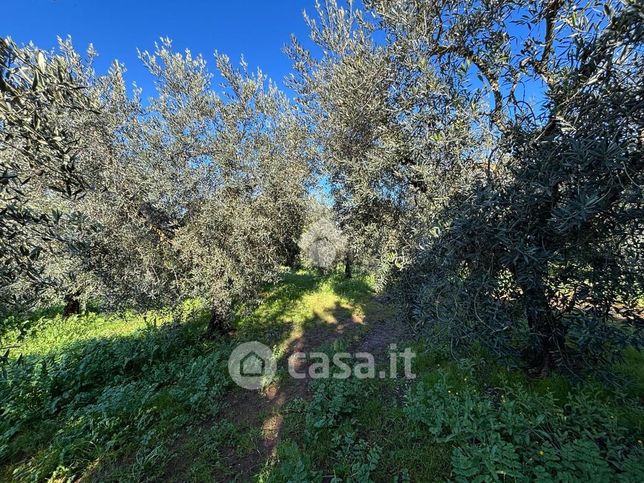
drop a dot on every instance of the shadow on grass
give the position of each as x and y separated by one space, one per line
96 400
299 298
112 407
277 410
333 427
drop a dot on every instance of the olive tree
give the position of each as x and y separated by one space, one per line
489 210
393 135
249 214
197 193
322 245
205 196
49 117
553 229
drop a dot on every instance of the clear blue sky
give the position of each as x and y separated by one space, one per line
256 28
259 29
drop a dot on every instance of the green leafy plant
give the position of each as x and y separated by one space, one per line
519 435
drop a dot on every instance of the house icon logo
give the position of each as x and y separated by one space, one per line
252 365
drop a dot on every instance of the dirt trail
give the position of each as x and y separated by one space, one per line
264 409
381 335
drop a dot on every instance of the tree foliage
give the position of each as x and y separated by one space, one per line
322 245
197 193
43 108
493 216
489 209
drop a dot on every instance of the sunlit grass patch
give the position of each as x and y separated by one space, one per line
53 334
303 297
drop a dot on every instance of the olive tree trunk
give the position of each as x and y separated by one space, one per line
348 265
72 304
548 332
217 324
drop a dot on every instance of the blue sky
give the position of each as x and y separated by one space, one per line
256 28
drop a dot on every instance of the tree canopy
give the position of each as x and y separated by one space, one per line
491 216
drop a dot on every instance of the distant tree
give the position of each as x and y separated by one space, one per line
322 245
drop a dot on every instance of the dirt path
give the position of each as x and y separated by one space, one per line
259 417
381 335
264 409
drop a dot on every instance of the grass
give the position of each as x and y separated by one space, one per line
142 397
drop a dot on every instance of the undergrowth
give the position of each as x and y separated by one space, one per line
465 420
92 389
139 397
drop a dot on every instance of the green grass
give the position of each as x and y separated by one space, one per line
135 397
303 298
84 391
